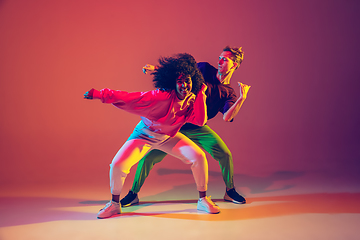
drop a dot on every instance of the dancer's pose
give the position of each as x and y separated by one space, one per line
163 112
221 97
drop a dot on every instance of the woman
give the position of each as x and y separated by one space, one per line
163 112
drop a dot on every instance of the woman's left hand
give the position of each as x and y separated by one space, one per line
89 94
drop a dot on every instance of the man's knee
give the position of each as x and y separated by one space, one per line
223 155
153 157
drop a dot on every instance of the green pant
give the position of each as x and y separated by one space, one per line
204 137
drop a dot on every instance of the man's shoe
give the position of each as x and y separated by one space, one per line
110 209
232 196
207 205
130 199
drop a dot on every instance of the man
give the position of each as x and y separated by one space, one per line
221 97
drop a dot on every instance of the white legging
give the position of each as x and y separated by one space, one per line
142 141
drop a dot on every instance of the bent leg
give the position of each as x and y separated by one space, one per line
144 167
211 142
128 155
183 148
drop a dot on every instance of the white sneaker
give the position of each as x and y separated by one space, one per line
205 204
110 209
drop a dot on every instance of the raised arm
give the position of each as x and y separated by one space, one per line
234 109
109 96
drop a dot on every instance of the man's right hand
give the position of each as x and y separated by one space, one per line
243 90
148 67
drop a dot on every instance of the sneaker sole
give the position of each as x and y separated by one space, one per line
204 210
130 204
209 212
233 201
113 215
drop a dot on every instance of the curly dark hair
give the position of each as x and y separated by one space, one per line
170 68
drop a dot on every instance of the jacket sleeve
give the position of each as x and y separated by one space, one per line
140 103
115 96
199 112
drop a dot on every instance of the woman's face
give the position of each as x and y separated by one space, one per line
183 86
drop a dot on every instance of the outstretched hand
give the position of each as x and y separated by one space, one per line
148 67
89 94
243 89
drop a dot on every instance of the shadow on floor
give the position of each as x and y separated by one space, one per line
29 210
254 183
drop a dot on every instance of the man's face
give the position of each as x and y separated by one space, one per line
225 64
183 86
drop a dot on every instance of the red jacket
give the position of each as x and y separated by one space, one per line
160 110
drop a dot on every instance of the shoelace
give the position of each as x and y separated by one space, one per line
209 201
107 205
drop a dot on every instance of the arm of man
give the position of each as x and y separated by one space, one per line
234 109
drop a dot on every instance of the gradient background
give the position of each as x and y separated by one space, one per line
301 59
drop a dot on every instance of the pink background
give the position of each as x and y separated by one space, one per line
301 59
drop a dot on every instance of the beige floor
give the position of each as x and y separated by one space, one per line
294 206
